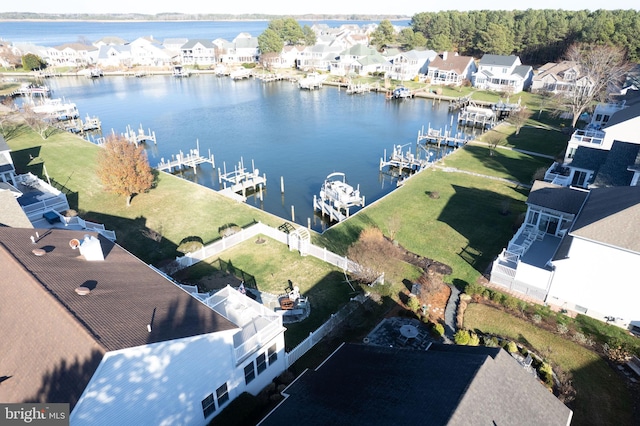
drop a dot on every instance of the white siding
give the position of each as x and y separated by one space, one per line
599 278
165 383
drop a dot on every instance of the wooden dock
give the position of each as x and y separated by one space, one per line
79 126
268 78
440 138
139 136
402 160
240 180
182 160
475 116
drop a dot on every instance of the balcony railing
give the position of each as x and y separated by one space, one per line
592 137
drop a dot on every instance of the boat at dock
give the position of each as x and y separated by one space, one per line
179 71
312 81
401 92
240 73
337 197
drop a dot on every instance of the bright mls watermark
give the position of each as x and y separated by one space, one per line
37 414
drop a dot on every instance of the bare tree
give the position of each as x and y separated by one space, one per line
374 254
519 118
493 139
123 168
602 70
37 122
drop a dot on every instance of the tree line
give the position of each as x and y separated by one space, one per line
537 36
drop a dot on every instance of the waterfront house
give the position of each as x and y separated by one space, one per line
286 59
502 73
72 55
444 385
85 322
561 77
114 56
148 52
319 56
577 250
605 153
451 69
411 64
198 52
349 60
110 41
243 49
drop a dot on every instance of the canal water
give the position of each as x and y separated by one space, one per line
295 135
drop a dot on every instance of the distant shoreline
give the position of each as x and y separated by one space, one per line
191 20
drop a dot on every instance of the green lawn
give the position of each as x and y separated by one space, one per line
272 266
175 208
501 163
464 227
543 140
601 399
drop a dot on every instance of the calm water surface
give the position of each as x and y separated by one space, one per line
301 136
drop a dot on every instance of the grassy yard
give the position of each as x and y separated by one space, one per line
175 208
272 266
601 398
450 217
501 163
543 140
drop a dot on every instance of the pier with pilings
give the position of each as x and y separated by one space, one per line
476 116
441 138
403 160
180 161
139 136
79 126
337 197
240 180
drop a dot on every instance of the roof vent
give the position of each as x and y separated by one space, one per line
39 252
83 291
74 244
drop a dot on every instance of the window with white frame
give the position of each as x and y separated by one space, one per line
261 363
249 373
273 354
222 394
208 405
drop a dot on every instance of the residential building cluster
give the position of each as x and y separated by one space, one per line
341 51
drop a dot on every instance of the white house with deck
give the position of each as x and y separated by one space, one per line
451 69
577 250
502 73
120 342
606 153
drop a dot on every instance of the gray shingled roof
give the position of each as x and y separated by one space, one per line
556 197
589 158
126 294
611 216
498 60
11 214
207 44
623 115
614 171
447 384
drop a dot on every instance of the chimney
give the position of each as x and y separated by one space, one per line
444 55
91 249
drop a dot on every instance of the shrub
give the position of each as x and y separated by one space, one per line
473 289
546 374
511 347
413 303
461 337
486 293
474 340
491 342
536 318
563 329
580 338
510 302
438 330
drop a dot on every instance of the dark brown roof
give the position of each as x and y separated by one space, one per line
126 294
445 385
47 356
611 216
453 63
556 197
